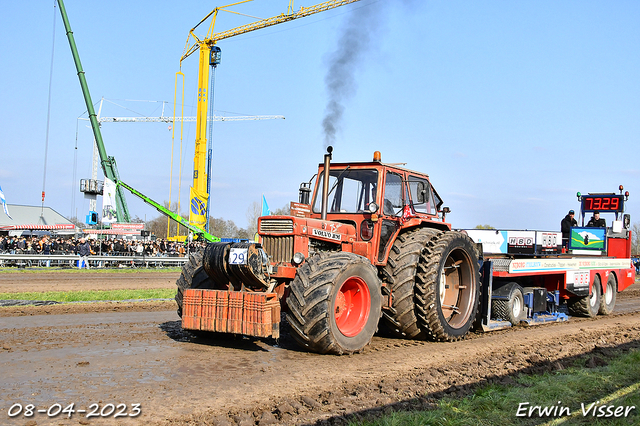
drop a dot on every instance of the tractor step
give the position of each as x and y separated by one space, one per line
238 312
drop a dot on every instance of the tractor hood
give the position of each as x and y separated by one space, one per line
326 230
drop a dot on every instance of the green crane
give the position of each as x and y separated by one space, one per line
109 163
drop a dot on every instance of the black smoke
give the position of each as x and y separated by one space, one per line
355 40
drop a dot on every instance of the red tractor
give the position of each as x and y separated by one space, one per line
370 248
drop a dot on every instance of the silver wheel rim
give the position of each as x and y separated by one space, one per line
456 288
608 296
517 307
593 297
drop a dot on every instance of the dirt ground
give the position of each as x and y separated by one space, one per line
126 353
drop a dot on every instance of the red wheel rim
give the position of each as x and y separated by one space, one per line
352 306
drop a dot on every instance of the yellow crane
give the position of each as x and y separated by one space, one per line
210 57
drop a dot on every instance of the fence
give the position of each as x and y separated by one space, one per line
72 260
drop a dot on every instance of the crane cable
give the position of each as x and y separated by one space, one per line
173 133
75 171
46 143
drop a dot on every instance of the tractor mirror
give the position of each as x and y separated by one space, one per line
626 221
422 193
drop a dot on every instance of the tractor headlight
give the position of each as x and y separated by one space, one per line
298 258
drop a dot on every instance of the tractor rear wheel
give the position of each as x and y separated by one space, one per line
400 275
587 306
193 275
334 303
608 299
447 287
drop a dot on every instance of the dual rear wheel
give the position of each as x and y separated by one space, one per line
608 299
597 302
434 280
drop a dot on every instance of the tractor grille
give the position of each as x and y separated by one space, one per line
277 226
280 249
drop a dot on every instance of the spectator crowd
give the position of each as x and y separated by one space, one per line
109 247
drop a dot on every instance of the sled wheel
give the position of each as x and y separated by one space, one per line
511 309
608 299
587 306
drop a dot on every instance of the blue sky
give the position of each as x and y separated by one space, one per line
510 107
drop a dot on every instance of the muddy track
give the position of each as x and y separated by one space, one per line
143 356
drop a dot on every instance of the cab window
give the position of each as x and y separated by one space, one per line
421 195
392 205
350 191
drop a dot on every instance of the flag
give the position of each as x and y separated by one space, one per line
109 202
198 208
265 207
4 204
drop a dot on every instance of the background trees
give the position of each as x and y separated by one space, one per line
220 227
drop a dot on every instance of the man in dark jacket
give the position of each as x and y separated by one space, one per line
84 250
565 227
596 222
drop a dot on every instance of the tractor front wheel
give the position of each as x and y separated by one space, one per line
334 303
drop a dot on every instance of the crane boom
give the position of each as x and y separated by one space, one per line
211 39
108 163
210 57
165 119
304 11
176 217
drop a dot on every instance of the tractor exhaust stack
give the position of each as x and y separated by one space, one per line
325 182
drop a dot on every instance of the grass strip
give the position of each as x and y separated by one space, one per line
576 396
89 295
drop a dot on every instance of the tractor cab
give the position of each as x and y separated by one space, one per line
377 199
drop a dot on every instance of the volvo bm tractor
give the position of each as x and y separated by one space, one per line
368 247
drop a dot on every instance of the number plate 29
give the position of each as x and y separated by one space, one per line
238 256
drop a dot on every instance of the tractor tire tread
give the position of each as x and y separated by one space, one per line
426 288
399 274
309 300
582 306
192 275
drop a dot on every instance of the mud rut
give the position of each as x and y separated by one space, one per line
140 354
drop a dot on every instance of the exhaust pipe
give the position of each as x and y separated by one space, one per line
325 183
